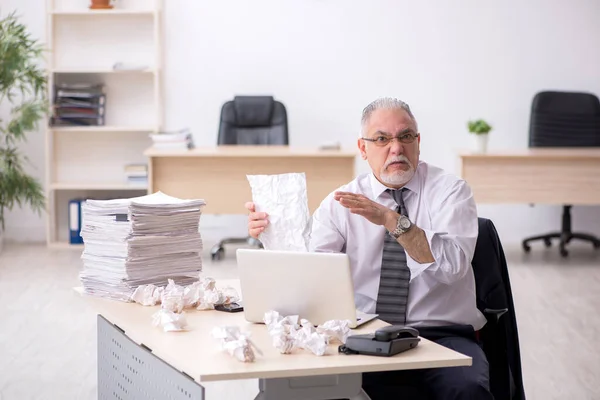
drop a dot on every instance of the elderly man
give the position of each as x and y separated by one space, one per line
409 229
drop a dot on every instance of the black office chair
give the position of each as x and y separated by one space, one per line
250 120
499 336
564 119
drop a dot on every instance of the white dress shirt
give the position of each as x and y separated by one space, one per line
440 293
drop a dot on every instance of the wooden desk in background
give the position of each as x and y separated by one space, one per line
542 176
218 174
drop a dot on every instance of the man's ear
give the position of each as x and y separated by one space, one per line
362 147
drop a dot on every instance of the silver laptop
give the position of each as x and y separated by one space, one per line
314 286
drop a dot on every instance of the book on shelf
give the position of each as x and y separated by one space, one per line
136 174
79 104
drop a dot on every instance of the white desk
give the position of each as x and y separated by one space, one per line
132 355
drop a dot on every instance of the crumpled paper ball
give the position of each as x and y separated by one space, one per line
236 343
147 295
169 320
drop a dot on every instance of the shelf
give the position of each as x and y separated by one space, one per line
96 186
88 161
101 129
102 71
103 12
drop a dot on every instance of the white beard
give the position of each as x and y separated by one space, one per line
397 178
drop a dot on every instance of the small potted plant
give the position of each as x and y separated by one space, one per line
480 130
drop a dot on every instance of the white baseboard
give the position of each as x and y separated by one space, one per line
25 234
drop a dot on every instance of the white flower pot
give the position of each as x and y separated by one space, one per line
480 142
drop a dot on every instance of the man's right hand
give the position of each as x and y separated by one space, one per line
257 221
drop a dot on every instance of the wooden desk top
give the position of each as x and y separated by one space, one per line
539 153
199 355
249 151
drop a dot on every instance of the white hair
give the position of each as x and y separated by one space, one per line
384 103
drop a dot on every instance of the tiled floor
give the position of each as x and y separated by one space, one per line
47 334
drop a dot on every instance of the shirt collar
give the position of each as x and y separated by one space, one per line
379 188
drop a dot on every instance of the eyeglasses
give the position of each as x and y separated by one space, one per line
382 140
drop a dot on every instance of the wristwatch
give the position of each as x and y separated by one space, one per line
402 226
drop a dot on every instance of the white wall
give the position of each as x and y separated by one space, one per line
326 59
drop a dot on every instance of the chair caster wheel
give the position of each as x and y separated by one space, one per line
564 252
547 242
526 248
217 254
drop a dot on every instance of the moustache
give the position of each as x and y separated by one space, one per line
400 158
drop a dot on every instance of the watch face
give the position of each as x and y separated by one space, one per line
404 223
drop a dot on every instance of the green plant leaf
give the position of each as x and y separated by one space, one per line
23 85
479 127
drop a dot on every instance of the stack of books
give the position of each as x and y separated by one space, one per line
137 174
78 105
178 140
139 241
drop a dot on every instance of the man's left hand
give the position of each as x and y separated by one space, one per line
361 205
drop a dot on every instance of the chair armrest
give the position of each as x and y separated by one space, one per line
497 313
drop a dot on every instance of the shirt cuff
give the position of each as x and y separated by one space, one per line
415 267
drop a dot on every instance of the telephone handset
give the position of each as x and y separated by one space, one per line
386 341
391 332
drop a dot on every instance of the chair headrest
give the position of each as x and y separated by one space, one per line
562 102
253 110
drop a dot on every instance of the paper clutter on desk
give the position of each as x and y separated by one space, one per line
201 294
236 343
287 335
174 298
283 197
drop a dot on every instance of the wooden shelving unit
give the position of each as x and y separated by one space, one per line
84 47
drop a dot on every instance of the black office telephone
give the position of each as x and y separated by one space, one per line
386 342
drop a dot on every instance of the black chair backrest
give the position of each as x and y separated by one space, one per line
494 300
253 120
564 119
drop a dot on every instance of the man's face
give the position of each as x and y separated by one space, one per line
395 162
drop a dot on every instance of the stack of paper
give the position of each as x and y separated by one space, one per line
142 240
178 140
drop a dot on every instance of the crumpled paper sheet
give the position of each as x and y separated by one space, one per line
287 335
336 330
236 343
169 320
283 197
172 297
147 295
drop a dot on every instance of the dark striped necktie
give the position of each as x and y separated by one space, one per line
392 298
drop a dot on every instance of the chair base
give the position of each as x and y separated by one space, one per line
218 250
565 235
